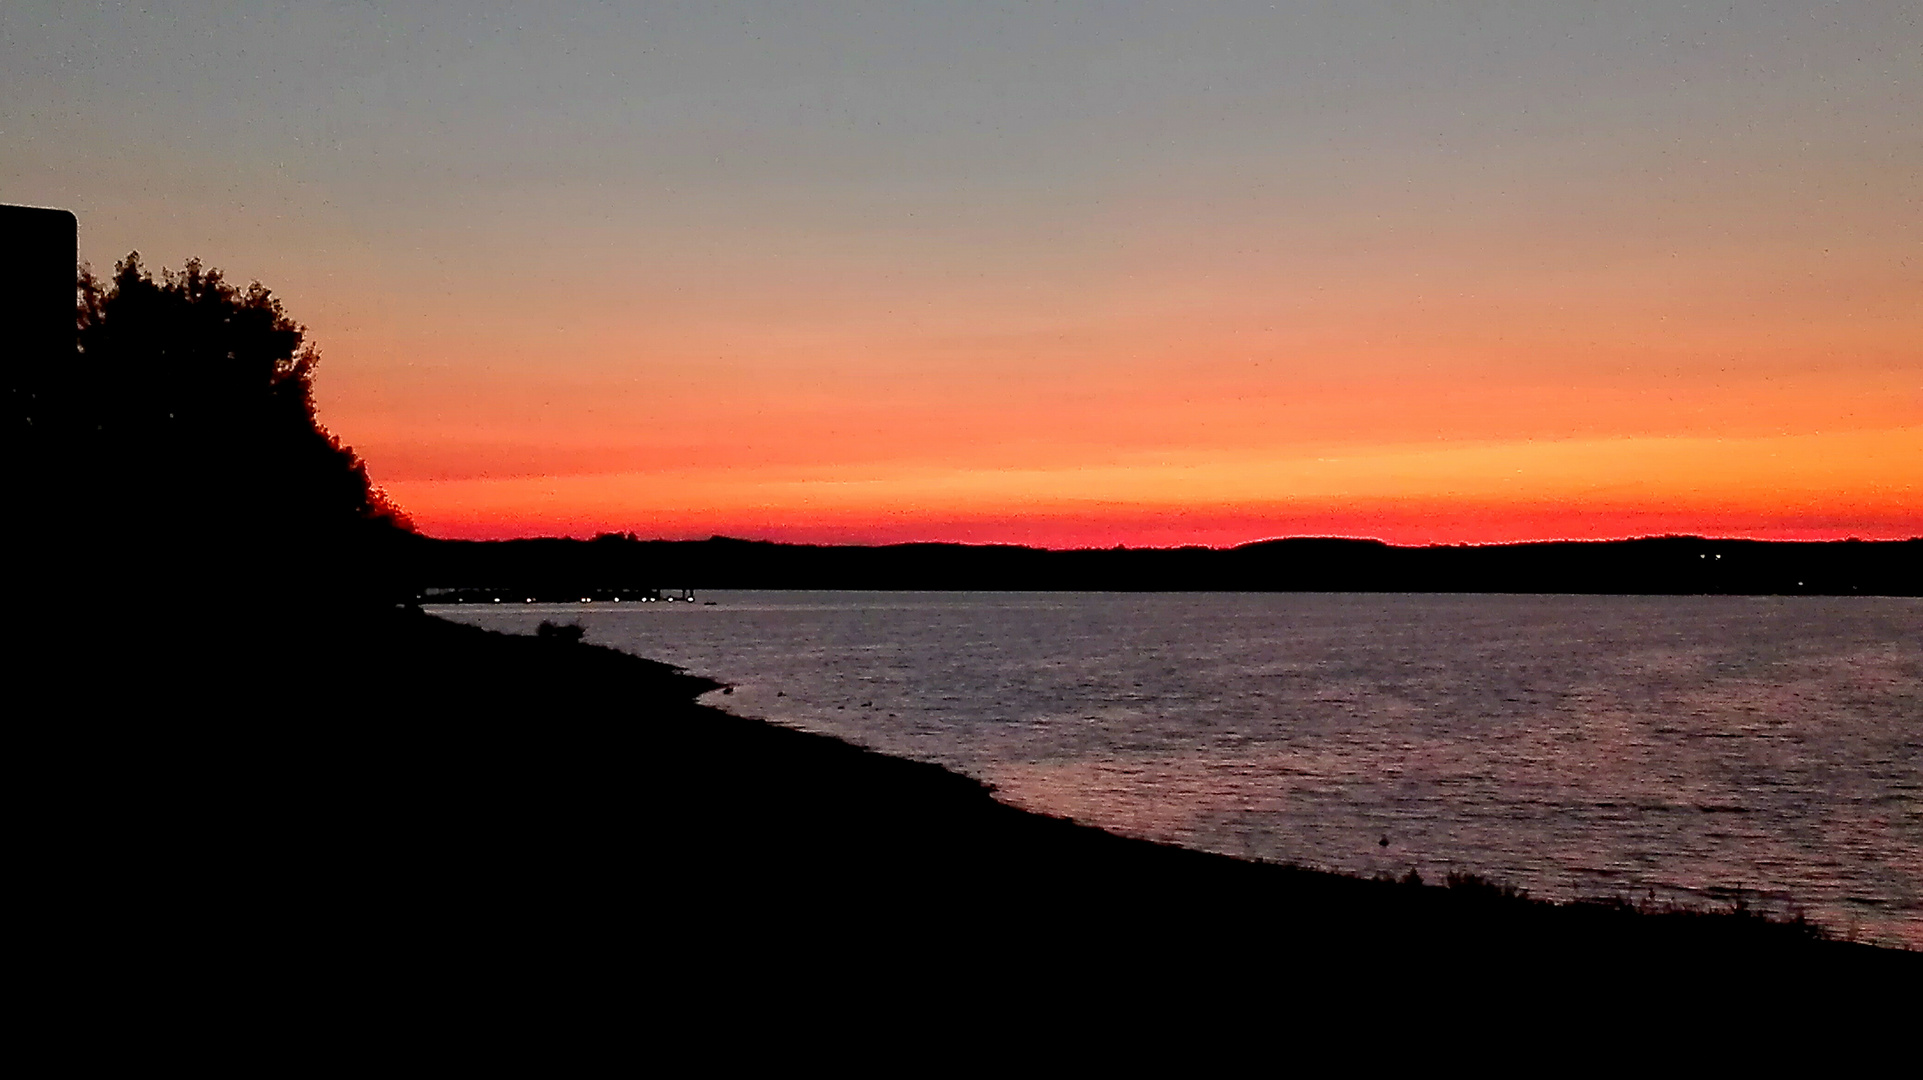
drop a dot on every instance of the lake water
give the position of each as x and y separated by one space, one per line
1674 747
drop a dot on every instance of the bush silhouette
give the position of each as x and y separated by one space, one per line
565 634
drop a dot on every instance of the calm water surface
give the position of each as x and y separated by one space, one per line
1574 746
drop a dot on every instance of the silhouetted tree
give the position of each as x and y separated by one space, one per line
213 386
185 428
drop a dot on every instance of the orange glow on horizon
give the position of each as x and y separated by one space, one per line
1786 487
1451 395
1210 426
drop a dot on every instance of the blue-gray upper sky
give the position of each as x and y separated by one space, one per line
850 115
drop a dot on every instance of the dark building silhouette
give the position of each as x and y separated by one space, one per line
36 304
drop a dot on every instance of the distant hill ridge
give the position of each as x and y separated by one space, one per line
565 569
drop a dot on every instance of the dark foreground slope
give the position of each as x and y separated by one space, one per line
487 802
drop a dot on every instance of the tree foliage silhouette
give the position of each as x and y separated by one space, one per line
176 450
195 400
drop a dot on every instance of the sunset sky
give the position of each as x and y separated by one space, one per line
1056 273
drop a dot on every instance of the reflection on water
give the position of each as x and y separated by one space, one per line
1575 746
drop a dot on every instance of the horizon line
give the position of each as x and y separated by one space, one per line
631 537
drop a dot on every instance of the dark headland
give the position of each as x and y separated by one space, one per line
242 753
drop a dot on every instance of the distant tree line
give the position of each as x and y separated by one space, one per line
570 569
